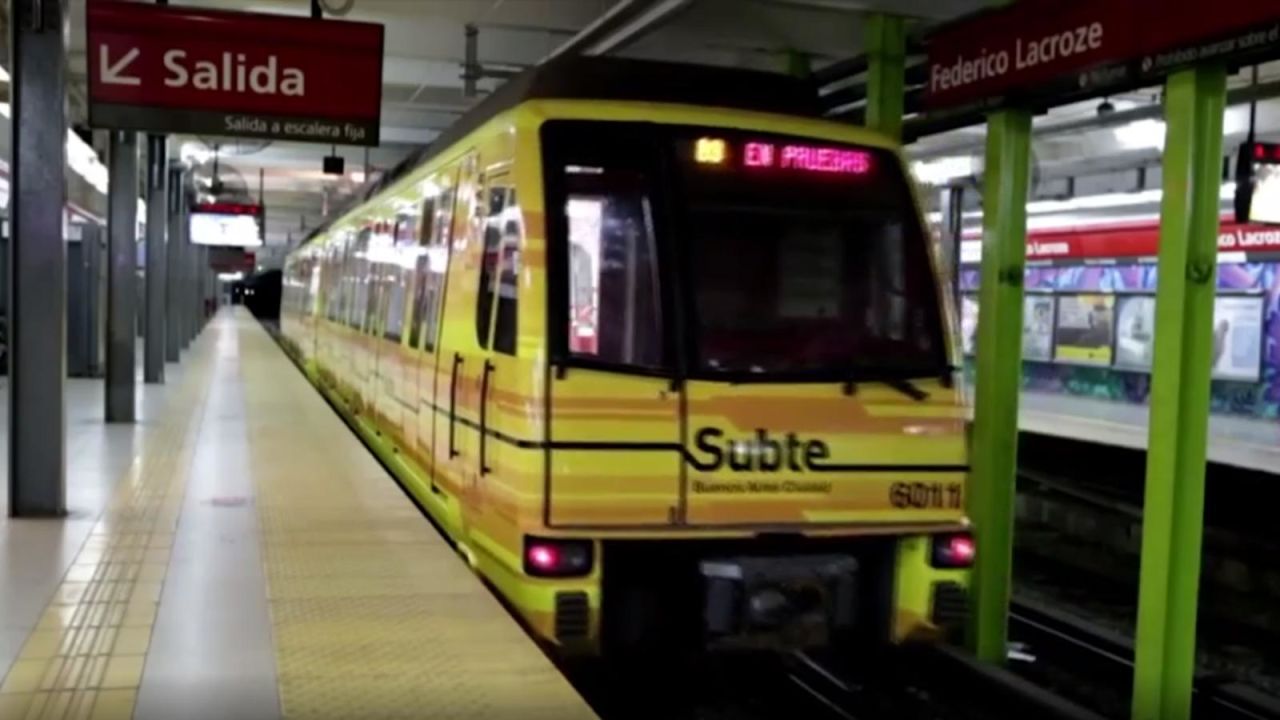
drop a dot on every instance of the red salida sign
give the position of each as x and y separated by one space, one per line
1090 43
164 68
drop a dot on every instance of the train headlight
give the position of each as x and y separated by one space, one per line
545 557
954 550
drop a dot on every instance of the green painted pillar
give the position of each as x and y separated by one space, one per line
999 376
886 73
1173 514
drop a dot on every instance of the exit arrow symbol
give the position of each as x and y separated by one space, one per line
111 74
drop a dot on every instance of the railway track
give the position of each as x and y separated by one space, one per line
1105 659
927 682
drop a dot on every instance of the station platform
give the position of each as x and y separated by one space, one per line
238 553
1234 441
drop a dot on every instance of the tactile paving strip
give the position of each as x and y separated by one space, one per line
373 614
84 659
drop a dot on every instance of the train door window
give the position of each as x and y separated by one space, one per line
313 280
420 284
508 280
432 262
495 201
404 236
341 280
615 313
437 257
360 281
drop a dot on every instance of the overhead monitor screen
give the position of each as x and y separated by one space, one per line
226 225
1265 207
1258 183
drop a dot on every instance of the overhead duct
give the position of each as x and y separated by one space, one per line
623 24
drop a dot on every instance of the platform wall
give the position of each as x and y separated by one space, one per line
1256 399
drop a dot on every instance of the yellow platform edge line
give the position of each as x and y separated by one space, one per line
85 656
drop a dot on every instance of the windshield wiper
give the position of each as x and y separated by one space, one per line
902 385
900 381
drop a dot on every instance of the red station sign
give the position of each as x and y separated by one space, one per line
1051 46
163 68
1131 241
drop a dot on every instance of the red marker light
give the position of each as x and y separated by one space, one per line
1259 152
962 549
954 550
543 557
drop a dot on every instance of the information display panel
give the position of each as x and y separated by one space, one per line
226 225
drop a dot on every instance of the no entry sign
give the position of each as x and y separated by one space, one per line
164 68
1085 47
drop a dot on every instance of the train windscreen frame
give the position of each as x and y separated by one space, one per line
735 255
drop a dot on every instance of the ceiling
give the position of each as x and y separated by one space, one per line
423 87
1076 149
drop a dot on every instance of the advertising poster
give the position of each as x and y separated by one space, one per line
1037 327
1085 329
1135 331
1237 338
968 323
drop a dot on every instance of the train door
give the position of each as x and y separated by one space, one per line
356 305
400 373
459 356
338 357
392 357
615 430
314 303
432 381
510 409
367 344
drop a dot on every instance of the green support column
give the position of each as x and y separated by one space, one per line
1173 515
999 375
886 73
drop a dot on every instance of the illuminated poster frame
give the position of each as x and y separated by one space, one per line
1134 335
1039 311
1238 335
1092 345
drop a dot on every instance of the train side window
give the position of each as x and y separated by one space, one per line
495 203
615 314
508 281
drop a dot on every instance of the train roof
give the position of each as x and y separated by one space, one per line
619 79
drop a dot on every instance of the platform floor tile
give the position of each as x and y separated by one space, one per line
84 658
373 614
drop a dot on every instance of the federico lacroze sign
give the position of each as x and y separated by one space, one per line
164 68
1056 48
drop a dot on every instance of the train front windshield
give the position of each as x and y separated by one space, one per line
777 257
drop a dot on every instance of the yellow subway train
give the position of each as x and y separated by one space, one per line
666 356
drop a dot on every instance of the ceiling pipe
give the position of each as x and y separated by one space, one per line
621 25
